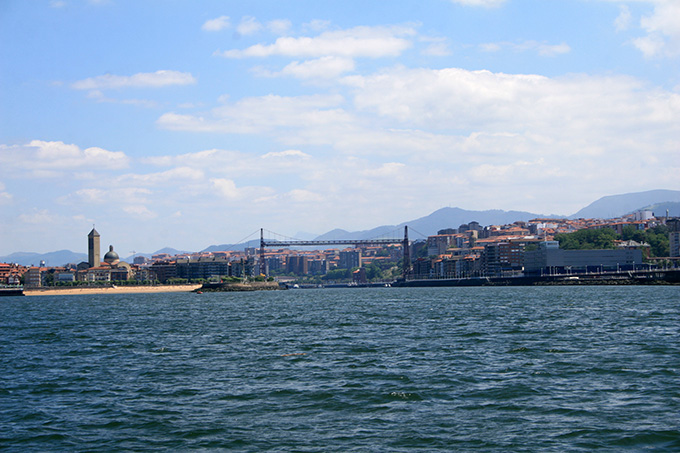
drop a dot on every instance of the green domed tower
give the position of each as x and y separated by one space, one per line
111 257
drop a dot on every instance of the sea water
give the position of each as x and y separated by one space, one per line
381 369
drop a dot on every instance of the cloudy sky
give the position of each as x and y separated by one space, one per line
185 124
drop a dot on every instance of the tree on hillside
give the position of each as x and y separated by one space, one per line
656 237
587 239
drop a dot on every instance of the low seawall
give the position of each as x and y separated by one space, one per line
248 286
11 291
657 277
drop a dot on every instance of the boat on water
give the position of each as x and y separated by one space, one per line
15 290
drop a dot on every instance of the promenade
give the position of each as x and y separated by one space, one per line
110 290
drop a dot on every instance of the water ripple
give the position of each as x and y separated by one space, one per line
385 369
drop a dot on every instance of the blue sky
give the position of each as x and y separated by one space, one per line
186 124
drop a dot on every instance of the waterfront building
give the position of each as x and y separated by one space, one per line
163 271
439 244
110 269
243 267
549 258
359 276
349 258
423 268
274 263
10 273
35 277
503 257
140 260
318 266
297 264
203 267
64 276
674 244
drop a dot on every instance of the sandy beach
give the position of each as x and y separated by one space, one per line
109 290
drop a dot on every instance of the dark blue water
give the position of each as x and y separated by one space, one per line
387 369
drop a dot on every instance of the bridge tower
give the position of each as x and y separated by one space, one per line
407 255
263 263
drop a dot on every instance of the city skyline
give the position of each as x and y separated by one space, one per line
167 124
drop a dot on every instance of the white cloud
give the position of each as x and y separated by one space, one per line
321 68
48 159
207 157
624 19
460 128
389 169
217 24
290 153
548 50
226 188
491 47
500 175
460 99
156 79
436 47
662 27
5 197
483 3
111 195
173 176
140 211
542 48
651 46
279 26
260 114
248 26
234 164
372 42
100 97
117 198
303 196
463 129
317 25
38 216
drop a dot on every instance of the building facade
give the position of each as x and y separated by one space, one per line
93 248
674 244
349 259
549 258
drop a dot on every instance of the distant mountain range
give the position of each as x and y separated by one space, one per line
58 258
618 205
438 220
657 201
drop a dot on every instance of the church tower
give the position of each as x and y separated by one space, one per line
93 249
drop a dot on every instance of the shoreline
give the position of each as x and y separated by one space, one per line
653 277
110 290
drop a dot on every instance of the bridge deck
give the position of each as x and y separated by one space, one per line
266 243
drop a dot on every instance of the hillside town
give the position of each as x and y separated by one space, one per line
469 250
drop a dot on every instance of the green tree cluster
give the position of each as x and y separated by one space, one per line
656 237
587 239
604 238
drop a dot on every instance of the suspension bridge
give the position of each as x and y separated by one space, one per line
264 243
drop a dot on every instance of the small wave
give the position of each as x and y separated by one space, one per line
406 396
161 350
520 349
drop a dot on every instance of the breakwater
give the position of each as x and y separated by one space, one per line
239 286
11 291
